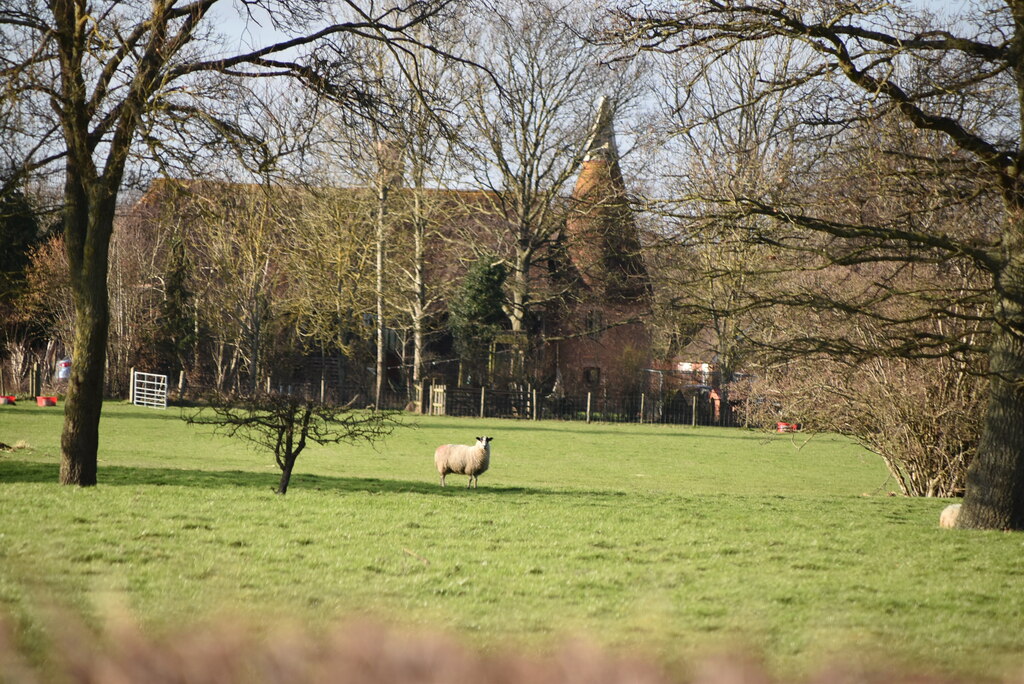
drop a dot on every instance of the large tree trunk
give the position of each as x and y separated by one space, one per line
88 224
994 497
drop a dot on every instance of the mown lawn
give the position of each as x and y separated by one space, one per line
670 541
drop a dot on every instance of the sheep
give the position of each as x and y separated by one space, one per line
949 515
463 459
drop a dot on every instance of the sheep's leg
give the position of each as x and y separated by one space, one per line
442 478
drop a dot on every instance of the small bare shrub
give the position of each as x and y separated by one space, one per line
922 416
284 424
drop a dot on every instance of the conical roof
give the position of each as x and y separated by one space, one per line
601 232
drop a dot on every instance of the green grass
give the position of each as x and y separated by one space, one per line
664 540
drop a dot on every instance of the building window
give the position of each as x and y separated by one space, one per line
594 323
592 376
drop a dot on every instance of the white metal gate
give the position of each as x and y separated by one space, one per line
149 389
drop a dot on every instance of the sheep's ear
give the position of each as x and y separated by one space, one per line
489 439
479 439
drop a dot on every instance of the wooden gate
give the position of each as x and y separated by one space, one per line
437 400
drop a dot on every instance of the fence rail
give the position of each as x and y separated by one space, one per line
675 407
689 406
671 408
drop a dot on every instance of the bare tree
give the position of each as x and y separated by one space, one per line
529 115
46 299
135 288
329 259
956 89
117 74
721 134
235 236
284 424
371 155
401 156
427 134
923 416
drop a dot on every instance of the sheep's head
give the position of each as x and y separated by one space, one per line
483 441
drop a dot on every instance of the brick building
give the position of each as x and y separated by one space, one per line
603 342
592 338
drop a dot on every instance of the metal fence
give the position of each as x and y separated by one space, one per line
677 408
357 395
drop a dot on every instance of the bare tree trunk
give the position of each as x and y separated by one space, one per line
994 498
519 294
88 224
382 196
286 476
420 292
520 300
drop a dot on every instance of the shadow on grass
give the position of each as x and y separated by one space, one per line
12 471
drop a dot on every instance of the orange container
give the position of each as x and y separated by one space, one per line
46 401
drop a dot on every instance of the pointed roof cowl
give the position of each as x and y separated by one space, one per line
601 142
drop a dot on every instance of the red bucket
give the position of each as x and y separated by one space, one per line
46 401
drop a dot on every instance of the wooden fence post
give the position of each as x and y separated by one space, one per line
131 385
535 411
588 407
482 391
641 408
694 412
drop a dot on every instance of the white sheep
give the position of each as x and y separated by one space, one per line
949 515
463 459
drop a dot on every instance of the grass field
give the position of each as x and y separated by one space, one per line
669 541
